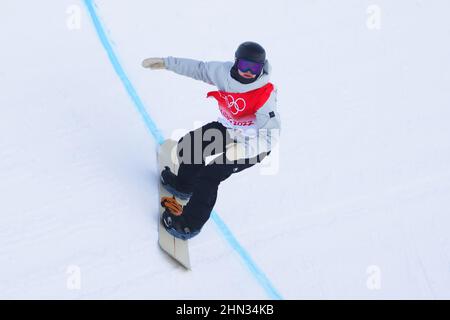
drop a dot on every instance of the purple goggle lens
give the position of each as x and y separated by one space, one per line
253 67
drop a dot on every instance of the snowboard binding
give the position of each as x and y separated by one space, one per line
169 182
171 204
173 220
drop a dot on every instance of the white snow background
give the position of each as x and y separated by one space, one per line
360 204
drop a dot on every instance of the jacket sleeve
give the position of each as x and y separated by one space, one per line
209 72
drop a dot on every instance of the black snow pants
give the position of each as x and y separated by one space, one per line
202 179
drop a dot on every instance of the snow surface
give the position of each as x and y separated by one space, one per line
363 187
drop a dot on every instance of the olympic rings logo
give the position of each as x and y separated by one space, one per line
235 106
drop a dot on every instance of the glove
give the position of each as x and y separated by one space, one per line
154 63
235 151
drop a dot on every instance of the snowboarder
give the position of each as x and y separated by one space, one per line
242 136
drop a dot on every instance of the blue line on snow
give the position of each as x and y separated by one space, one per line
156 133
257 273
150 124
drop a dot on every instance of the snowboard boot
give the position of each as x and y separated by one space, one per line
174 221
169 182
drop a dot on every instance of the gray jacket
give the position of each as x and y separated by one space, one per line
267 123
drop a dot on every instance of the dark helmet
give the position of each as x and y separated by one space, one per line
251 51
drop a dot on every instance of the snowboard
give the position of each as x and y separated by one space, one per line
176 248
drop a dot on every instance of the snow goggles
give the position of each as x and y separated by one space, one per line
253 67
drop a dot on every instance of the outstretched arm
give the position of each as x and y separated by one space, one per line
204 71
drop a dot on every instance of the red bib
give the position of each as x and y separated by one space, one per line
240 108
